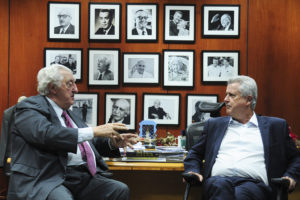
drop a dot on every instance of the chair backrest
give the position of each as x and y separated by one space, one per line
193 133
195 130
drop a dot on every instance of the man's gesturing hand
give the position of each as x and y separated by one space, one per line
109 130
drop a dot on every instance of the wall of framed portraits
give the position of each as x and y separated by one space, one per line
261 42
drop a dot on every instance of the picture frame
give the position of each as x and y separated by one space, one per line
105 22
192 102
141 22
105 61
86 107
219 66
164 109
121 108
64 21
179 23
221 21
178 68
68 57
141 68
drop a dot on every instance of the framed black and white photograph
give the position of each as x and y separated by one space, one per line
219 66
178 68
64 21
179 23
86 107
193 103
105 22
121 108
221 21
141 68
164 109
103 67
71 58
141 22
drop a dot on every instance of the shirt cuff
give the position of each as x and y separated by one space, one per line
85 134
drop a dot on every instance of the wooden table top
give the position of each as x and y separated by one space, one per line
148 166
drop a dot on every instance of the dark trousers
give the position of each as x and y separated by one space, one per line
83 186
235 188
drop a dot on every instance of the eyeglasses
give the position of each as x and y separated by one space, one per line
71 84
142 17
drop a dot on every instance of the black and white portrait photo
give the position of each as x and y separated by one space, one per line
219 66
141 68
179 23
103 66
193 103
178 68
161 108
86 107
120 108
221 21
63 21
71 58
104 21
141 22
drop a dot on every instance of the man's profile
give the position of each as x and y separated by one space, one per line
65 26
105 19
138 70
103 67
141 23
120 112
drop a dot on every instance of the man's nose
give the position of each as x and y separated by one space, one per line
75 89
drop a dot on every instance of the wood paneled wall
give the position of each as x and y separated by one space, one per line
268 51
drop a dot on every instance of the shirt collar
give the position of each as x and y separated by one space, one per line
58 110
252 122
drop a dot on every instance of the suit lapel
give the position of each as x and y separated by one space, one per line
221 130
265 135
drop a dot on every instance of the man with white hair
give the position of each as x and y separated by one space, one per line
243 151
65 26
54 154
141 23
104 73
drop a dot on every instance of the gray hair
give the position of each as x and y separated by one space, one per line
247 87
50 74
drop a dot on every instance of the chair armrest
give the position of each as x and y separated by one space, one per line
191 179
281 182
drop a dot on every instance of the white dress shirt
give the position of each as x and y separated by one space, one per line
241 152
84 134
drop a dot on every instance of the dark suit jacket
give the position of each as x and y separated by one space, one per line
281 155
100 31
40 149
70 30
160 112
135 32
108 75
5 135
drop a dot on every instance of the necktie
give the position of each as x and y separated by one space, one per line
85 149
100 77
144 33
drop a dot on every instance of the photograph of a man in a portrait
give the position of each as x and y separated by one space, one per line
104 21
65 25
221 20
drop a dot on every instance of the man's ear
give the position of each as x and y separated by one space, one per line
249 99
52 88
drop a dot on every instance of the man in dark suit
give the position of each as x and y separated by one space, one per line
65 26
177 17
157 112
105 19
55 155
141 23
243 151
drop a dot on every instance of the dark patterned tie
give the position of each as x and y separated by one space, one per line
85 149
